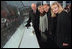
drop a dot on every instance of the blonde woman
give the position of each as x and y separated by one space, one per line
61 29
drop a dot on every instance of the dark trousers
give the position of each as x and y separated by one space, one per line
37 32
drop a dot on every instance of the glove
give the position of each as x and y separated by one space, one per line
27 25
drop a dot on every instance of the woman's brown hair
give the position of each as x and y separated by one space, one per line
41 14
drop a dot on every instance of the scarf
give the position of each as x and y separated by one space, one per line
43 23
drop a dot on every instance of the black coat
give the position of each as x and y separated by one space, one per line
52 22
69 27
49 19
34 18
62 31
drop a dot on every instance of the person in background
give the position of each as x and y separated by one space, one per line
67 8
69 26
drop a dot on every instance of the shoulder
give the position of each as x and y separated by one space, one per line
37 10
64 12
30 11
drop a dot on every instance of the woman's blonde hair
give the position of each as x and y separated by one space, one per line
60 9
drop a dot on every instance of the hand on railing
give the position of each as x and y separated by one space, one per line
27 25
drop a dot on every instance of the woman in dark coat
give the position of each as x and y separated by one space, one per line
51 22
62 32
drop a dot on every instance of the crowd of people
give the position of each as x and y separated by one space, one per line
51 21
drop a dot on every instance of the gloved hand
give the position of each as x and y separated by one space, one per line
27 25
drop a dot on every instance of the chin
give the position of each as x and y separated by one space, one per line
56 12
46 11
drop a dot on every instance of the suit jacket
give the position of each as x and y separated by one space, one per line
34 18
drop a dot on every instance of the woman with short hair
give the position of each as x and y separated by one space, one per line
43 23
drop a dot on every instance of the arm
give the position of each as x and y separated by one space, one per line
29 20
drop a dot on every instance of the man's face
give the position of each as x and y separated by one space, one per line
33 7
46 8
